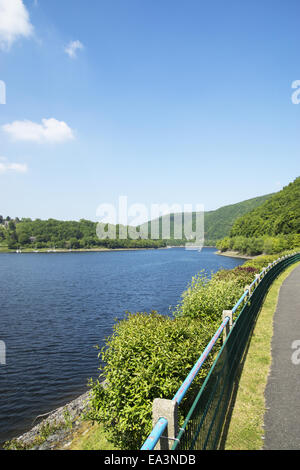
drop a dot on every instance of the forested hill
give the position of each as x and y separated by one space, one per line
38 234
280 214
218 223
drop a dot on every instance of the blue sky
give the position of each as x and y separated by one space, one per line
163 101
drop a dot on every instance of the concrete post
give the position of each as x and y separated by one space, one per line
248 288
163 408
227 313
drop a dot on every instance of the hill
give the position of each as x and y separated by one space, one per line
270 228
217 223
42 234
280 214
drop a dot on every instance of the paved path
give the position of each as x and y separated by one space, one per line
282 418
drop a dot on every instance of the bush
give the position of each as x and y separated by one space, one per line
206 299
148 356
257 245
260 262
241 274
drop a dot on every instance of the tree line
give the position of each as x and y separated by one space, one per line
38 234
270 228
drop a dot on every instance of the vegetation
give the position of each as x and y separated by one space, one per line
41 234
45 431
46 234
217 223
254 246
90 437
206 299
148 356
280 214
270 228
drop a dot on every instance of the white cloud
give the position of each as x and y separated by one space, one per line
72 47
14 22
50 130
5 166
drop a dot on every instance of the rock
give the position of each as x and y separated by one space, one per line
56 428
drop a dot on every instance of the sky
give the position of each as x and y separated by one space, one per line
161 101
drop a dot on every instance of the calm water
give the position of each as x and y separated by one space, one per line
55 307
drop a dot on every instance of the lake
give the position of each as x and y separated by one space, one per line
56 307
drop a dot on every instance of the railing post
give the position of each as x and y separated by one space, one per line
248 288
227 313
167 409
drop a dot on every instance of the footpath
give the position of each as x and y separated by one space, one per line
282 394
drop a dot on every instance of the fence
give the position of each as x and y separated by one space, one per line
204 422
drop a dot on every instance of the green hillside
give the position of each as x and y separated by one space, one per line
43 234
280 214
272 227
217 223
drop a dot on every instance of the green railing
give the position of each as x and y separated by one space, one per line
203 425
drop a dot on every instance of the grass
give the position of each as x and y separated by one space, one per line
246 430
90 437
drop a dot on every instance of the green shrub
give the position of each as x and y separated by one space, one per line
148 356
261 262
206 299
241 274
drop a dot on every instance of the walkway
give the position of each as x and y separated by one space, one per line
282 418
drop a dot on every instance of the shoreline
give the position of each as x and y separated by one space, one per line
235 254
56 430
81 250
89 250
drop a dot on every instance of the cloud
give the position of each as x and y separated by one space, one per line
50 130
5 166
14 22
72 47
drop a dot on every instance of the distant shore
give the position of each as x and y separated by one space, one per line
88 250
80 250
234 254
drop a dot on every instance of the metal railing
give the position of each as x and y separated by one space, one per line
204 421
162 423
